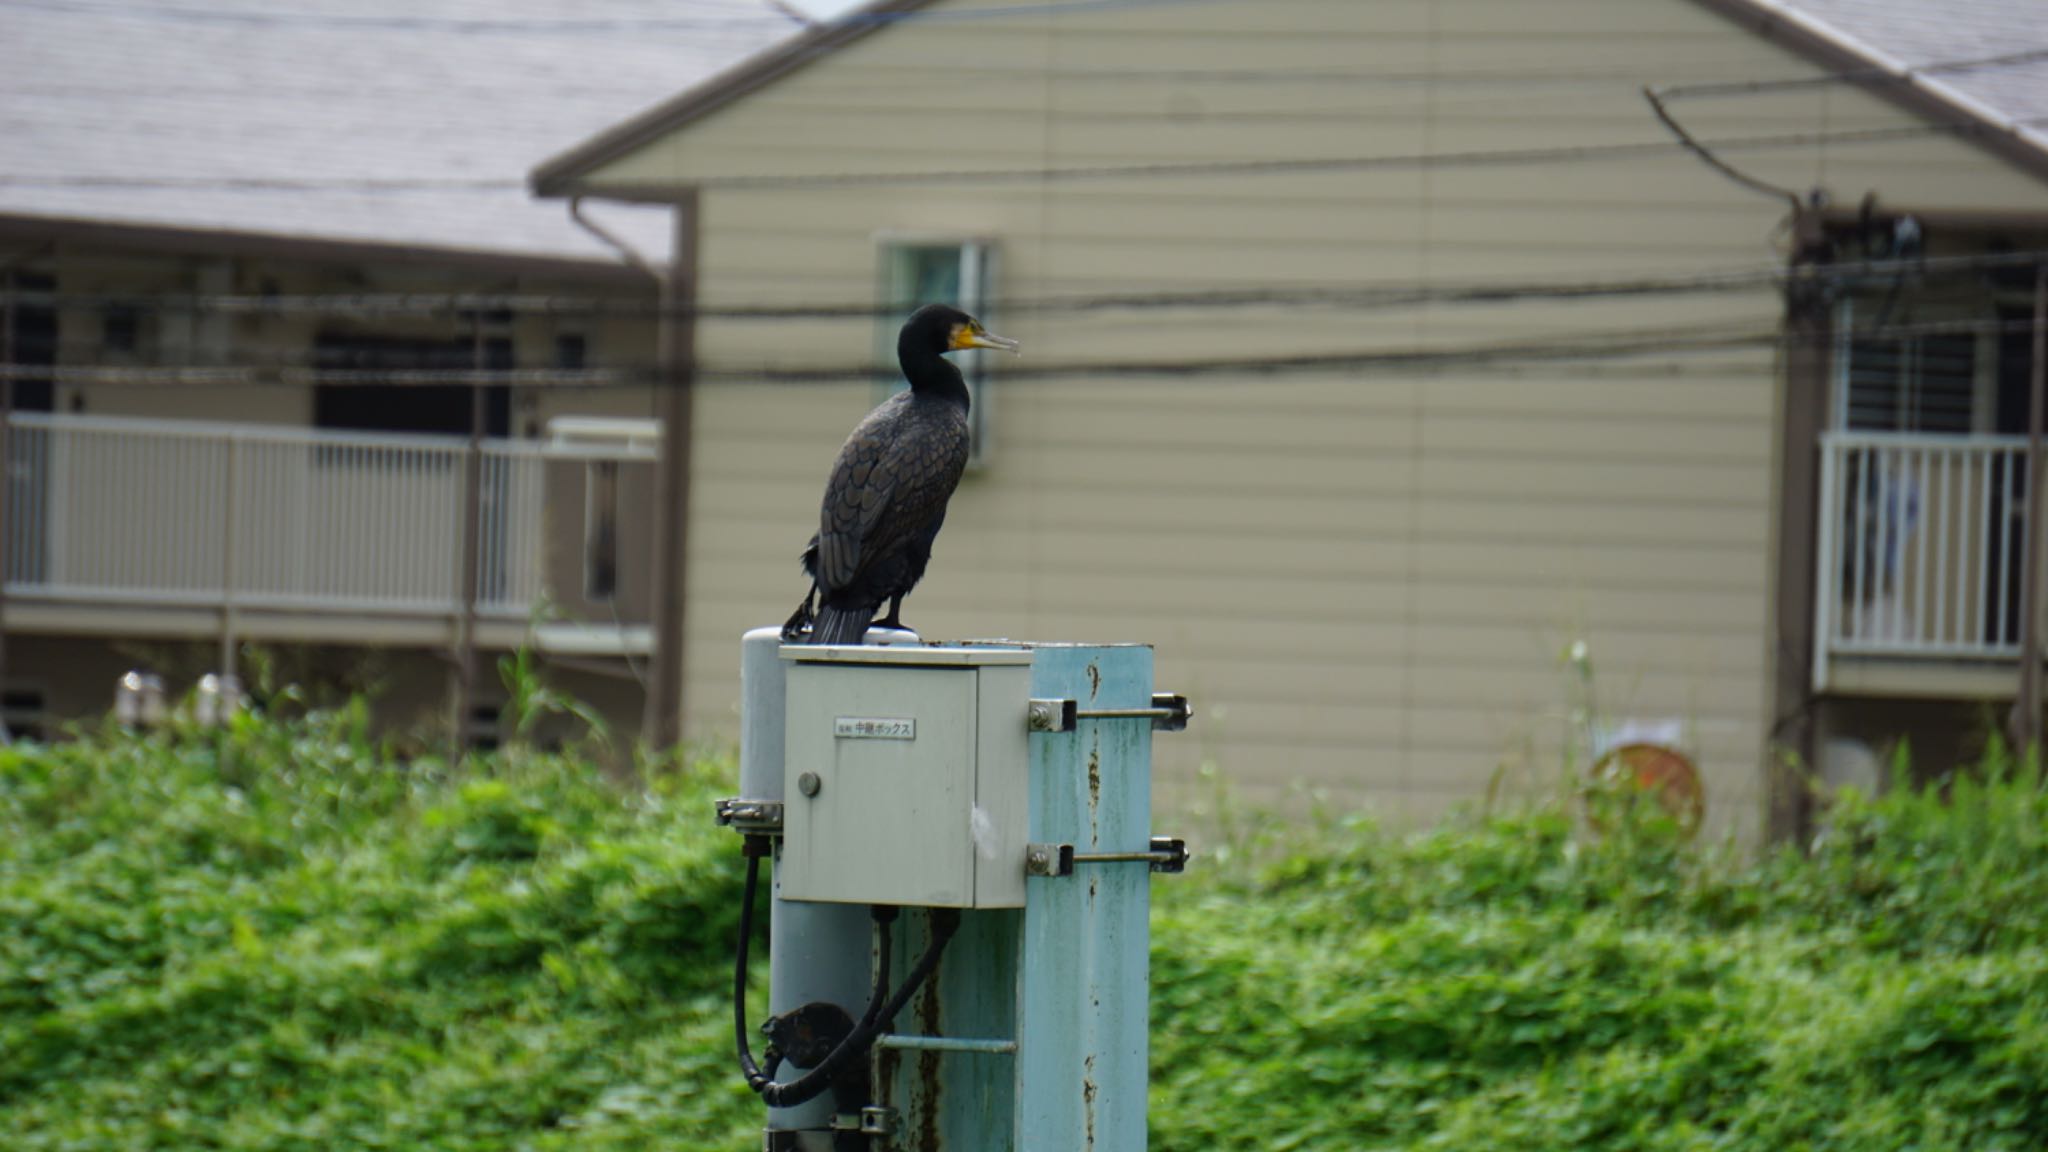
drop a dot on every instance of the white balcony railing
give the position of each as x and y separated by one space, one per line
1921 542
170 513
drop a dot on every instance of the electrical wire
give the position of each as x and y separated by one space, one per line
1868 76
863 78
1621 344
572 26
853 18
1359 297
1195 169
856 1044
345 22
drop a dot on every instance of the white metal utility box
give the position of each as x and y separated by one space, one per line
905 775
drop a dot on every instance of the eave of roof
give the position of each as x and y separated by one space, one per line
557 175
33 229
1917 93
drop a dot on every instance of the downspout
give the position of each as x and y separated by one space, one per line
662 723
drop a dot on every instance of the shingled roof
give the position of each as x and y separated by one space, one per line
2010 91
389 122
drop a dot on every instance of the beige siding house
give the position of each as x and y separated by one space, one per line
1368 573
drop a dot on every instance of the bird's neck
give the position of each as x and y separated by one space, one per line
931 374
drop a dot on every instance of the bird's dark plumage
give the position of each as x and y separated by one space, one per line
887 495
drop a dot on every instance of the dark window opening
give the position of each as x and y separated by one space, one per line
571 353
1917 384
121 328
484 734
34 343
24 715
434 409
601 531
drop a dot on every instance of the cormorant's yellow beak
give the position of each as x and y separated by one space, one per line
967 336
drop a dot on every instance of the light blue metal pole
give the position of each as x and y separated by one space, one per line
1033 1038
1084 981
818 951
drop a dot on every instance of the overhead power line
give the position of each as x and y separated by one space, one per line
861 78
264 183
569 26
1414 161
1199 169
353 22
1622 344
1879 76
1357 297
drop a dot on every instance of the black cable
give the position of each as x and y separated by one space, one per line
1200 169
1622 344
857 1042
1357 297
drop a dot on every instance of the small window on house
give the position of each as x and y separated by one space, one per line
485 731
1917 382
601 530
571 352
121 327
33 341
23 715
357 402
958 273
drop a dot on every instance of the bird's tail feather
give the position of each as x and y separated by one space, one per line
842 625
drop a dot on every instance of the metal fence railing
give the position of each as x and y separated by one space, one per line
167 512
1921 545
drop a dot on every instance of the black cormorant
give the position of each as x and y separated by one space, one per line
887 495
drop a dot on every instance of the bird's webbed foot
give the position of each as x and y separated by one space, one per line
800 620
895 617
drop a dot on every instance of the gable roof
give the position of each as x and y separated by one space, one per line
382 122
1882 40
553 177
1893 40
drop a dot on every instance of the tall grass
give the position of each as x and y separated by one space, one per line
1514 982
289 937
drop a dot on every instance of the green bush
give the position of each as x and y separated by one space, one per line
1516 984
294 939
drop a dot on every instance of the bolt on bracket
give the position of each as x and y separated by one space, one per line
869 1121
1163 854
1168 713
754 817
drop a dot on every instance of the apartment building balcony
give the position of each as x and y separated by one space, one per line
1921 564
163 528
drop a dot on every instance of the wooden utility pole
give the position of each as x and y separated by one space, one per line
662 727
2025 721
7 319
472 546
1808 340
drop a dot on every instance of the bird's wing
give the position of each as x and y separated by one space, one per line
854 500
884 489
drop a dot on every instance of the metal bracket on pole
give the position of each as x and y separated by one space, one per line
1168 713
868 1122
751 817
1165 854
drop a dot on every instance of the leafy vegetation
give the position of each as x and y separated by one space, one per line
289 941
1518 984
285 937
